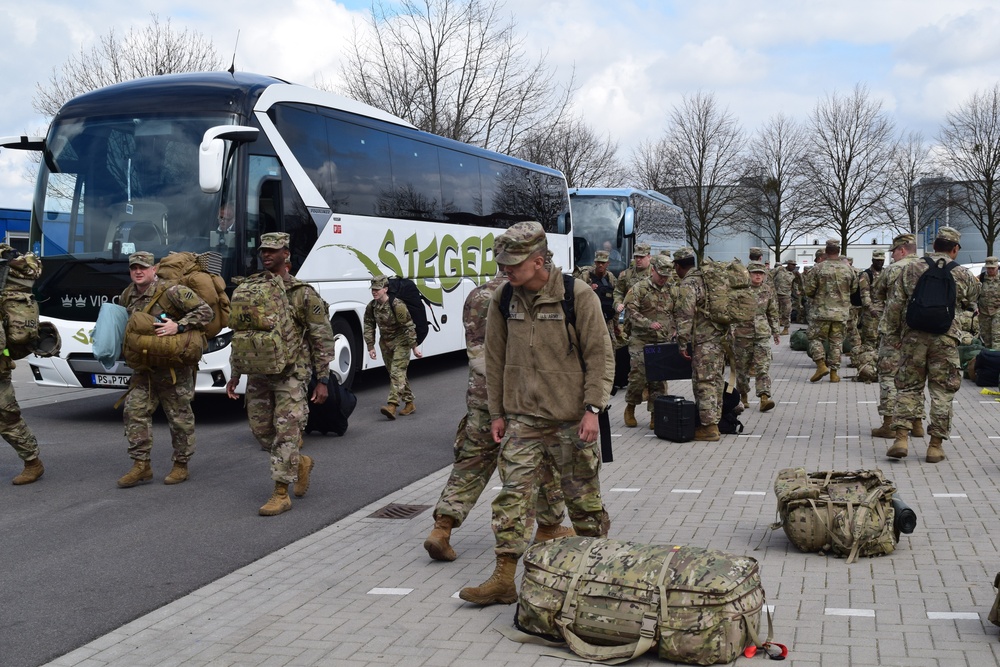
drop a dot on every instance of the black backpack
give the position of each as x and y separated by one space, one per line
730 422
931 307
406 290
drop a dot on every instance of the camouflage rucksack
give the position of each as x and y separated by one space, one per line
613 601
848 513
263 331
728 294
193 271
18 307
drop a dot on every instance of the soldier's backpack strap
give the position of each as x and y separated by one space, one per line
568 304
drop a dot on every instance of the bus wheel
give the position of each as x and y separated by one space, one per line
347 351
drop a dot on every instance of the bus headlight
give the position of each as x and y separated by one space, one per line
219 342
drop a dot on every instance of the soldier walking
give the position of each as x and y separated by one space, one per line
784 278
603 283
626 279
531 346
752 347
927 358
989 302
866 356
476 451
177 309
276 404
829 286
649 306
397 336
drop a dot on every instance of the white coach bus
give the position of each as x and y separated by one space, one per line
153 164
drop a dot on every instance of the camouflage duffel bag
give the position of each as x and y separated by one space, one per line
613 601
846 513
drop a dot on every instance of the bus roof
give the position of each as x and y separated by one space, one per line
623 192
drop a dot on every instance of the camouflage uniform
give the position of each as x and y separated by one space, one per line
889 353
173 388
989 307
475 450
927 358
12 426
277 405
866 356
604 287
398 335
852 335
626 280
707 340
783 280
752 347
530 348
645 304
829 286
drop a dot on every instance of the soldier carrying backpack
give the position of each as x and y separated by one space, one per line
397 336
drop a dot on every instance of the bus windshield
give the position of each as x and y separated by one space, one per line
110 186
596 222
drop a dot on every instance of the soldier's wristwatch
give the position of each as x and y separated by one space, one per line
325 380
181 328
592 408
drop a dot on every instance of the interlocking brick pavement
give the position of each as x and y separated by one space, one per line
311 603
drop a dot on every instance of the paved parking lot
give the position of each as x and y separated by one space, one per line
363 591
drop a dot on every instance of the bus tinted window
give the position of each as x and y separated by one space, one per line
461 191
360 167
305 133
416 181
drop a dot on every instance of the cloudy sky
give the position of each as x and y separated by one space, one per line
633 60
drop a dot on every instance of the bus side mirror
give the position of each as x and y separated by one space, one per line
212 153
23 143
628 222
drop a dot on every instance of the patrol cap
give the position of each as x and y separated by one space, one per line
142 258
790 262
992 261
949 234
379 281
683 253
902 240
662 264
641 250
602 256
274 240
756 267
821 253
756 251
517 243
878 254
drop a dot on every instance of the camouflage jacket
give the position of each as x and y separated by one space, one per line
647 303
989 295
966 294
783 281
866 285
394 323
765 323
829 286
477 306
626 279
180 303
691 312
538 367
883 285
311 320
604 287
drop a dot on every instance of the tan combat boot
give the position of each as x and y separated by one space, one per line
935 452
899 445
388 410
707 433
33 469
546 533
917 430
499 588
821 371
408 409
178 473
438 544
765 402
833 375
140 472
885 430
302 483
630 416
279 501
784 332
745 399
652 421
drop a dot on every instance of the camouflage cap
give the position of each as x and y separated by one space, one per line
661 264
683 253
274 240
949 234
641 250
602 256
790 262
992 261
878 254
142 258
833 242
902 240
756 267
756 251
821 252
379 281
517 243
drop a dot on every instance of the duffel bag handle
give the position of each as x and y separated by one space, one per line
612 655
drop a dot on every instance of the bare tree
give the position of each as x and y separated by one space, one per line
849 164
703 151
970 153
456 68
156 48
773 206
909 196
573 148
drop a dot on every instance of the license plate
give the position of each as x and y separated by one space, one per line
102 380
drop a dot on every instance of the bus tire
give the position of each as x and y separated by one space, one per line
347 350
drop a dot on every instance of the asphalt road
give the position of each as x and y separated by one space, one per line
81 557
